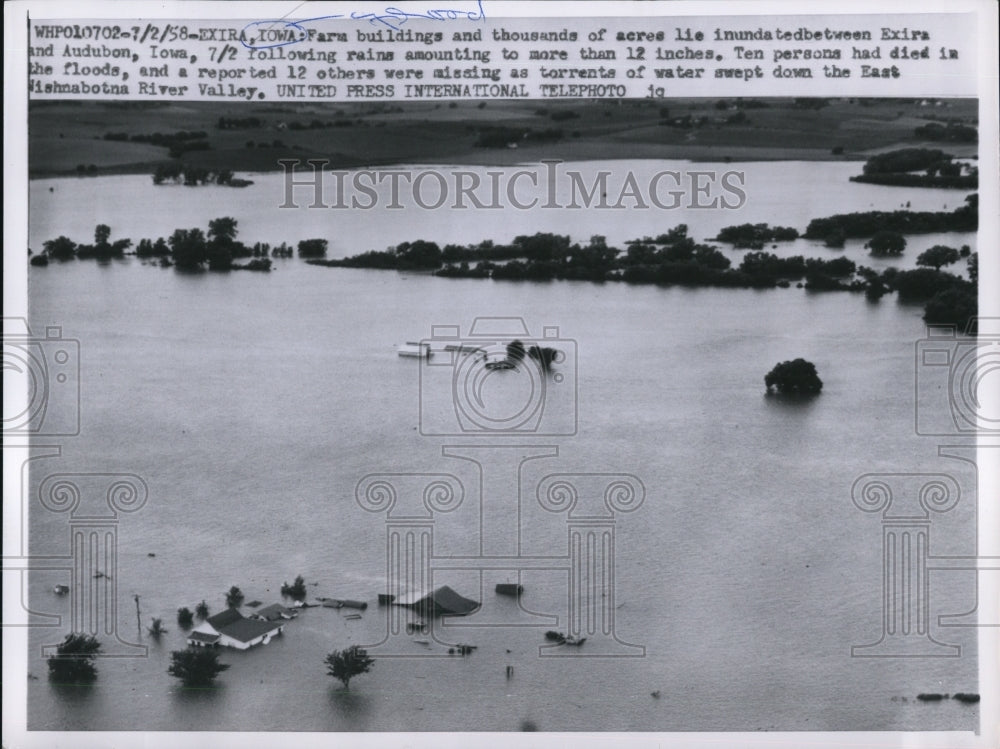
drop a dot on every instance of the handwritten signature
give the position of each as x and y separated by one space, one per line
391 17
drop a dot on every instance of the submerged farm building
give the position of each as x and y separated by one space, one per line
233 630
438 602
273 613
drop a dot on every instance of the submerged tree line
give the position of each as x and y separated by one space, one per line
674 258
188 249
918 167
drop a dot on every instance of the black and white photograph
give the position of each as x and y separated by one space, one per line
412 371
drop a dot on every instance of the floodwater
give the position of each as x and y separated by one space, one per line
251 405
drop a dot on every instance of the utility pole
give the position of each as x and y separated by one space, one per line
138 616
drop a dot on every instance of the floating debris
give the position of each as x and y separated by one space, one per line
655 693
254 604
967 698
385 599
560 639
930 697
61 590
342 603
509 589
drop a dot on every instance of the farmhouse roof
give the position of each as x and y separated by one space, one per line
442 600
246 630
273 612
224 617
203 637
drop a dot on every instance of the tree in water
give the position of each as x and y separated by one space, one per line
295 591
157 628
201 610
184 617
796 377
956 306
515 351
234 598
221 243
188 247
311 248
196 667
60 248
74 660
102 232
222 230
544 356
937 256
346 664
887 243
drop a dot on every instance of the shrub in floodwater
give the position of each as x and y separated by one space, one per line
185 618
796 377
74 660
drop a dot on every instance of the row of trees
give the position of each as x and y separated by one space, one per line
189 249
75 663
918 167
64 248
953 131
675 258
193 249
755 236
193 176
866 224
